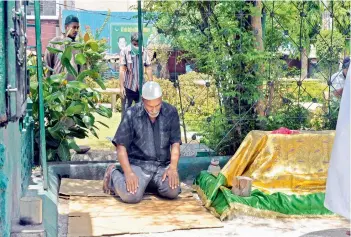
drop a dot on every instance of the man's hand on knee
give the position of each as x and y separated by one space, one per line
173 178
132 182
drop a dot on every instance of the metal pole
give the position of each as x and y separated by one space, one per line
40 88
140 44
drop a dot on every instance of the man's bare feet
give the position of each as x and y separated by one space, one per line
107 178
348 232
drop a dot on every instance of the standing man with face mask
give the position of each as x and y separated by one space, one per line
148 148
129 72
53 60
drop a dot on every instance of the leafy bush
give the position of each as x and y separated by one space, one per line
69 106
289 116
198 101
329 56
69 112
309 91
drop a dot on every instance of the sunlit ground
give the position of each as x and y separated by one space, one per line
102 143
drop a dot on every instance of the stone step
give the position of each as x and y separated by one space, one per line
18 230
187 149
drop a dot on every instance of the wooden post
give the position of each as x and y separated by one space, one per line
113 102
242 186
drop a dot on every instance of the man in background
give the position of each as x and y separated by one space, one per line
129 72
53 60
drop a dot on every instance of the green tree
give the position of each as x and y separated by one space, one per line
218 38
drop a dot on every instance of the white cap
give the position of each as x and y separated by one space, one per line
151 90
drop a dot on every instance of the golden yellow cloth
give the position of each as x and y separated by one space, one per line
296 163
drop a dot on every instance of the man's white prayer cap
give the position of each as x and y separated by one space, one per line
151 90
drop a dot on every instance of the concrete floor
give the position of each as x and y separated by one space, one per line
245 226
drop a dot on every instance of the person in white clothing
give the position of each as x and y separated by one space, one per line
338 79
337 197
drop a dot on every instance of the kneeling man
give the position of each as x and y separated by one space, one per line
148 148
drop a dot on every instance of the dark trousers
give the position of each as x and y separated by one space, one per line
129 98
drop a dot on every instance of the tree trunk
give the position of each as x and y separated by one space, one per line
304 64
257 28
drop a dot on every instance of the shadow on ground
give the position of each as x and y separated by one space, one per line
341 232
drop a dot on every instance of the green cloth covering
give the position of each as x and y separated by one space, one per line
223 203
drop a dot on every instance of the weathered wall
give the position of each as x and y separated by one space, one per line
15 169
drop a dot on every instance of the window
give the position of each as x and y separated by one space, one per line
48 9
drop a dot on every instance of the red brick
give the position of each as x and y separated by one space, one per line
48 31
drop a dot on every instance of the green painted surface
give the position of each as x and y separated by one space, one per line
10 172
41 97
50 213
121 33
15 170
11 61
16 139
3 187
3 116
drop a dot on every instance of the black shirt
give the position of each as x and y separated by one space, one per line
147 142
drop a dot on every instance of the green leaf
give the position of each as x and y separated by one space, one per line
55 116
92 130
79 121
53 50
68 122
59 108
100 83
105 112
76 45
97 95
33 87
67 53
67 64
52 142
80 59
57 42
56 95
63 151
103 124
61 98
93 45
56 130
84 74
88 120
57 77
73 145
77 85
74 109
78 133
51 154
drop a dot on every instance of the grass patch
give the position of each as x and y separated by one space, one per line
102 143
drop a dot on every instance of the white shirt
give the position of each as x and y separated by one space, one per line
338 81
